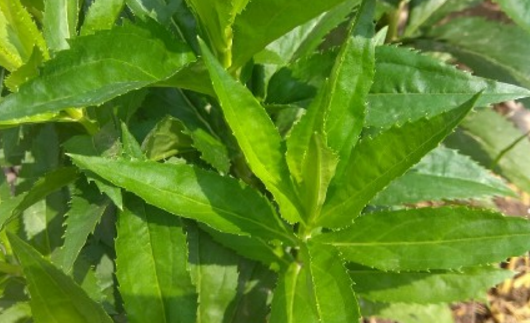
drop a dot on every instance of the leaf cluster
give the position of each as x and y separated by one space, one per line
256 161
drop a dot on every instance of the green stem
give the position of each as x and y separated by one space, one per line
393 22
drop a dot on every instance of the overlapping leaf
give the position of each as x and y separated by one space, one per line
423 239
263 21
98 68
46 185
152 268
86 209
375 162
54 296
102 14
222 203
216 19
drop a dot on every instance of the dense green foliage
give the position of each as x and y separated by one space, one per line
233 161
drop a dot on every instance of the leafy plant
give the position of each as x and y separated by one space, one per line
214 161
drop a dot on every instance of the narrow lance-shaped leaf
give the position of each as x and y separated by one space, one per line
263 21
428 238
46 185
409 86
152 265
216 19
102 14
220 202
443 174
332 125
377 161
318 170
256 135
86 209
96 69
55 297
420 11
60 22
349 85
410 287
332 287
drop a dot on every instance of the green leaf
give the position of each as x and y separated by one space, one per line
518 10
423 239
46 185
86 209
193 193
350 81
506 146
54 296
25 72
305 39
152 254
160 11
335 299
481 48
375 162
442 175
420 11
213 268
410 287
409 313
101 15
18 35
324 25
103 143
256 135
274 257
450 6
409 86
216 19
131 148
263 21
318 169
96 69
337 113
60 23
292 301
